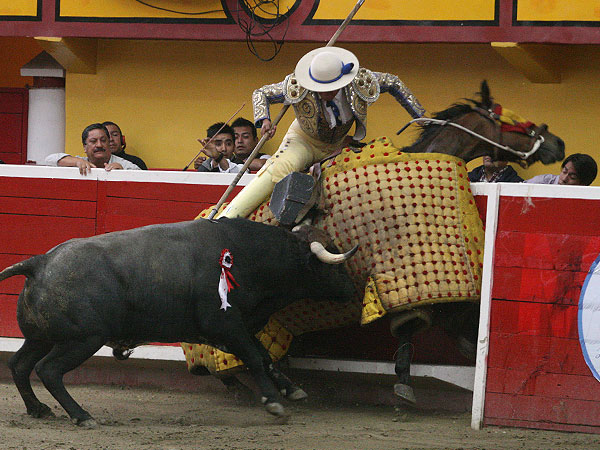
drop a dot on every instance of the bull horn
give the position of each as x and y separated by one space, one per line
330 258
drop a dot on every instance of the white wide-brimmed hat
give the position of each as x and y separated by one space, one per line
326 69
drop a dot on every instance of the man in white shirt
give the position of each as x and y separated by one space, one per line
95 140
577 169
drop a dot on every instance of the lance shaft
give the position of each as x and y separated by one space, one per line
264 138
213 136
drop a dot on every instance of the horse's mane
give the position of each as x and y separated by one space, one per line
455 110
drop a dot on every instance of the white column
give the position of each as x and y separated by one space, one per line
46 116
46 123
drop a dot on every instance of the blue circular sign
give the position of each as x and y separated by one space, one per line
589 319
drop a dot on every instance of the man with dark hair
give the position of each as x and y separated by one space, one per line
494 172
95 144
577 169
117 145
246 139
218 151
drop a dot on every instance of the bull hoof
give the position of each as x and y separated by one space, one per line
406 393
294 393
41 412
276 409
88 424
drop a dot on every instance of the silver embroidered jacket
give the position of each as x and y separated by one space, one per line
360 93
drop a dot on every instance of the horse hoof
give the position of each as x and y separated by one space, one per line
276 409
295 394
88 424
406 393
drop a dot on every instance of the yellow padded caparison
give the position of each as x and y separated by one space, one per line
420 242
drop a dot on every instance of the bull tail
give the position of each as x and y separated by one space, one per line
26 268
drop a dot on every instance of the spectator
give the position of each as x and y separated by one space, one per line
577 169
330 94
494 172
117 145
95 144
219 151
246 139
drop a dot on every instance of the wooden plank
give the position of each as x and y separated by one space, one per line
169 191
549 215
540 286
546 251
116 222
541 425
542 409
8 316
171 210
481 203
535 319
62 189
47 207
519 382
32 235
533 354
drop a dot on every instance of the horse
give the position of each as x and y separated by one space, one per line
466 130
473 129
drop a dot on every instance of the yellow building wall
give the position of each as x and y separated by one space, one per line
165 94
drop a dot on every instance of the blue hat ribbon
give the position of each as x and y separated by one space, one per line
346 69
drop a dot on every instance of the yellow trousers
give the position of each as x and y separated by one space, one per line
297 152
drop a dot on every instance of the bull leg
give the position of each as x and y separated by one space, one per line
241 343
285 386
64 357
21 365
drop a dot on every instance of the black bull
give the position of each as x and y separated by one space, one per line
160 284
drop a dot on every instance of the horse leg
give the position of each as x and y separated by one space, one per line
241 393
21 365
461 322
403 326
402 368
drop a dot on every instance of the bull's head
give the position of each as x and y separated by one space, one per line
334 283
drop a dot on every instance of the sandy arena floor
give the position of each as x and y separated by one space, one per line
161 419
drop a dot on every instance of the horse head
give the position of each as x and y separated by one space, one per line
483 127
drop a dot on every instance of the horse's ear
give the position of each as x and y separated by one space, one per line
486 98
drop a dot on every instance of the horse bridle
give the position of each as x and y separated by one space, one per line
534 133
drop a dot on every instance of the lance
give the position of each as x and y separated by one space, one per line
213 136
284 109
